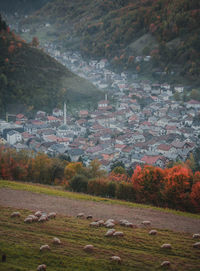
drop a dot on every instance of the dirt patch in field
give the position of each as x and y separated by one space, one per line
71 207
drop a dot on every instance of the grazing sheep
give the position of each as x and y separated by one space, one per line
15 214
126 223
146 223
89 217
110 232
196 245
94 224
166 246
118 233
110 221
129 225
33 217
81 215
101 222
116 259
165 263
196 235
41 267
153 232
123 222
109 225
88 248
51 215
28 220
43 218
44 247
38 213
56 241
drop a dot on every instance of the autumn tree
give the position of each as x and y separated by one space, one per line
178 182
148 184
195 196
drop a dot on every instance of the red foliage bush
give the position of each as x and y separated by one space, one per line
148 184
195 196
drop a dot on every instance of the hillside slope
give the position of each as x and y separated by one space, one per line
173 29
29 76
21 242
21 6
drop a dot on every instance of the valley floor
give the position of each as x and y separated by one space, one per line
71 207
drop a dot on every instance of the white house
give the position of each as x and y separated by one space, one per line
13 137
179 89
57 112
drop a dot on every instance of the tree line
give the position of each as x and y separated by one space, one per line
176 186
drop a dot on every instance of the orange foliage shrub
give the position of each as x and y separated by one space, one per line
178 180
195 196
196 177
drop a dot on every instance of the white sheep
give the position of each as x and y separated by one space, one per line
153 232
118 233
28 220
166 246
41 267
44 247
130 225
56 241
15 214
196 236
94 224
101 222
38 213
196 245
81 215
43 218
109 225
88 248
116 259
123 222
165 263
146 223
110 232
110 221
33 217
51 215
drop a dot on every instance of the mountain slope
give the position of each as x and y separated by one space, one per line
29 76
21 6
173 28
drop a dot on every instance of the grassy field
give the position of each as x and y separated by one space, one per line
138 250
59 191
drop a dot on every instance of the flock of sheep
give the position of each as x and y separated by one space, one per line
110 224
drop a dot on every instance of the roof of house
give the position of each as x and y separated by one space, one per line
164 147
151 160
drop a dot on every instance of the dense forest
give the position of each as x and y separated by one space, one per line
29 76
168 31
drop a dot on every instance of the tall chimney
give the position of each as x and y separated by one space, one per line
65 114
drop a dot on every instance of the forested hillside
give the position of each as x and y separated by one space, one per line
168 31
29 76
21 6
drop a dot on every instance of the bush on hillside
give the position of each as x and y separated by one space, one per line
79 183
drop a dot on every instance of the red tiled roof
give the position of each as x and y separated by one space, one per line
150 160
164 147
20 116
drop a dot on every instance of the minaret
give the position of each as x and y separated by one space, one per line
106 97
65 114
